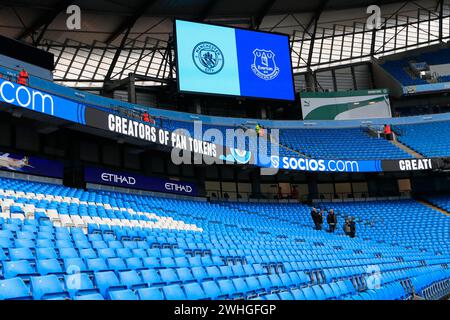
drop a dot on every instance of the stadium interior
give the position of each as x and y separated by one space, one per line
94 207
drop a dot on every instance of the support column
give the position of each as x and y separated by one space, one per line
310 82
256 184
131 88
313 189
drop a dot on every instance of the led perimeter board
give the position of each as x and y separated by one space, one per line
221 60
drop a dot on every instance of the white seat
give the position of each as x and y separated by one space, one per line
20 216
66 220
87 219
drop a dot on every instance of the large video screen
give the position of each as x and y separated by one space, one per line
236 62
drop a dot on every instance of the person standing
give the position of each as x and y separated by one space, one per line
352 227
332 221
347 226
320 220
314 216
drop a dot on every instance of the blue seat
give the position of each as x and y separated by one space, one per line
168 262
139 253
79 284
182 262
286 295
82 244
61 244
150 294
5 243
253 285
46 253
134 263
95 296
14 289
117 264
151 262
97 264
49 266
169 276
47 288
44 243
21 254
185 275
132 280
226 287
174 292
199 273
88 254
211 290
298 294
272 296
124 253
213 273
240 286
3 256
194 291
309 293
107 281
265 283
21 268
106 253
123 295
74 265
67 253
151 277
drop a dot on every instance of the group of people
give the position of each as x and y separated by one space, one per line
331 218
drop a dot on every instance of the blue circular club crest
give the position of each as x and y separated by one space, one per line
208 58
264 65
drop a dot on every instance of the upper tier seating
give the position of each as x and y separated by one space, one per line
429 139
350 143
63 243
398 68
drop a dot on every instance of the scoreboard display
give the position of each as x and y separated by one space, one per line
221 60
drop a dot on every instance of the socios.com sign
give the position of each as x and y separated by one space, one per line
42 102
321 165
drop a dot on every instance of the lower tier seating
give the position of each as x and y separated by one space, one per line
63 243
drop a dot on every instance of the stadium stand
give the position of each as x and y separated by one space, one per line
428 139
63 243
351 143
401 70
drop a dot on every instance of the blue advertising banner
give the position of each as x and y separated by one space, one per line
135 181
60 107
39 101
31 165
322 165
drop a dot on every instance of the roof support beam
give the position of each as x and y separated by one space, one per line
116 57
45 20
204 14
130 21
315 20
263 12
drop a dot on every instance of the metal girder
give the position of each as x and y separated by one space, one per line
207 10
45 20
130 21
263 12
315 20
116 56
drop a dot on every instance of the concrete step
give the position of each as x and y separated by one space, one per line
430 205
407 149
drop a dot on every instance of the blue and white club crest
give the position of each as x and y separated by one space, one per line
264 65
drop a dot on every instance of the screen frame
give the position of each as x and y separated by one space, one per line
229 95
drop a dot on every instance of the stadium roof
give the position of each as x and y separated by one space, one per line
118 37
